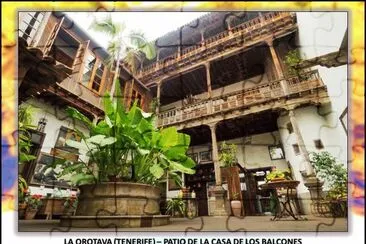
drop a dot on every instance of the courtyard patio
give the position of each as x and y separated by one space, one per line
217 223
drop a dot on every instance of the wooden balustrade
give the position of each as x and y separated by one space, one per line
247 30
239 99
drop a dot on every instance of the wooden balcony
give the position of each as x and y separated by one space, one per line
245 34
265 93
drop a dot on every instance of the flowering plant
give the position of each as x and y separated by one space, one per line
23 191
34 201
71 202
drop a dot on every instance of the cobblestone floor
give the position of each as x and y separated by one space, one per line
249 223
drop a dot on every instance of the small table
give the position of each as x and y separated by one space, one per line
289 186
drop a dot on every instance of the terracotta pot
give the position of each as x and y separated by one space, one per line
236 207
30 213
277 179
68 211
21 210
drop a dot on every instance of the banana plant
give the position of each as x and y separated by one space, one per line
140 152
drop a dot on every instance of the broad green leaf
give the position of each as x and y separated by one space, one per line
181 168
149 50
157 171
72 112
82 179
169 137
108 121
108 141
108 106
97 139
80 145
134 115
188 163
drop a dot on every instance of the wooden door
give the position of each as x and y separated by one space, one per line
250 194
201 195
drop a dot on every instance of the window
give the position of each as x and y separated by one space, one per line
276 152
65 134
88 69
318 144
136 96
97 79
290 128
29 24
296 149
93 73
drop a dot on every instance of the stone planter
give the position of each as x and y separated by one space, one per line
121 204
236 207
30 213
118 198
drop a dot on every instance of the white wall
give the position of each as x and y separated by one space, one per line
321 33
252 151
55 119
312 126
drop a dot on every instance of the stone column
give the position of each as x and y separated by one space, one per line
157 109
209 89
276 62
219 190
313 184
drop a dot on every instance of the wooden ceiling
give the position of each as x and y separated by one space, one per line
224 72
235 128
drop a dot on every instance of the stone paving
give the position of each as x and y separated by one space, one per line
212 223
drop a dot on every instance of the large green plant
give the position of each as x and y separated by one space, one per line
132 48
335 174
293 58
228 154
175 206
25 114
127 146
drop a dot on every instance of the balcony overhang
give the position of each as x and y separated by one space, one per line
37 72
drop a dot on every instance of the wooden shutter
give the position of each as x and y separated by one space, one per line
79 61
51 39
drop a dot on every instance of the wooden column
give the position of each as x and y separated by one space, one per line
300 141
209 89
219 191
215 154
157 111
276 62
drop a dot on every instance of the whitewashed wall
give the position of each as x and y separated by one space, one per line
55 119
321 33
252 151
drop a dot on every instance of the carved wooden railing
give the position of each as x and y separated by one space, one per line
235 37
240 99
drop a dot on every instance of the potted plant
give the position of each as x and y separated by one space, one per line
128 156
278 175
335 176
70 205
176 207
236 204
22 195
34 202
228 155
